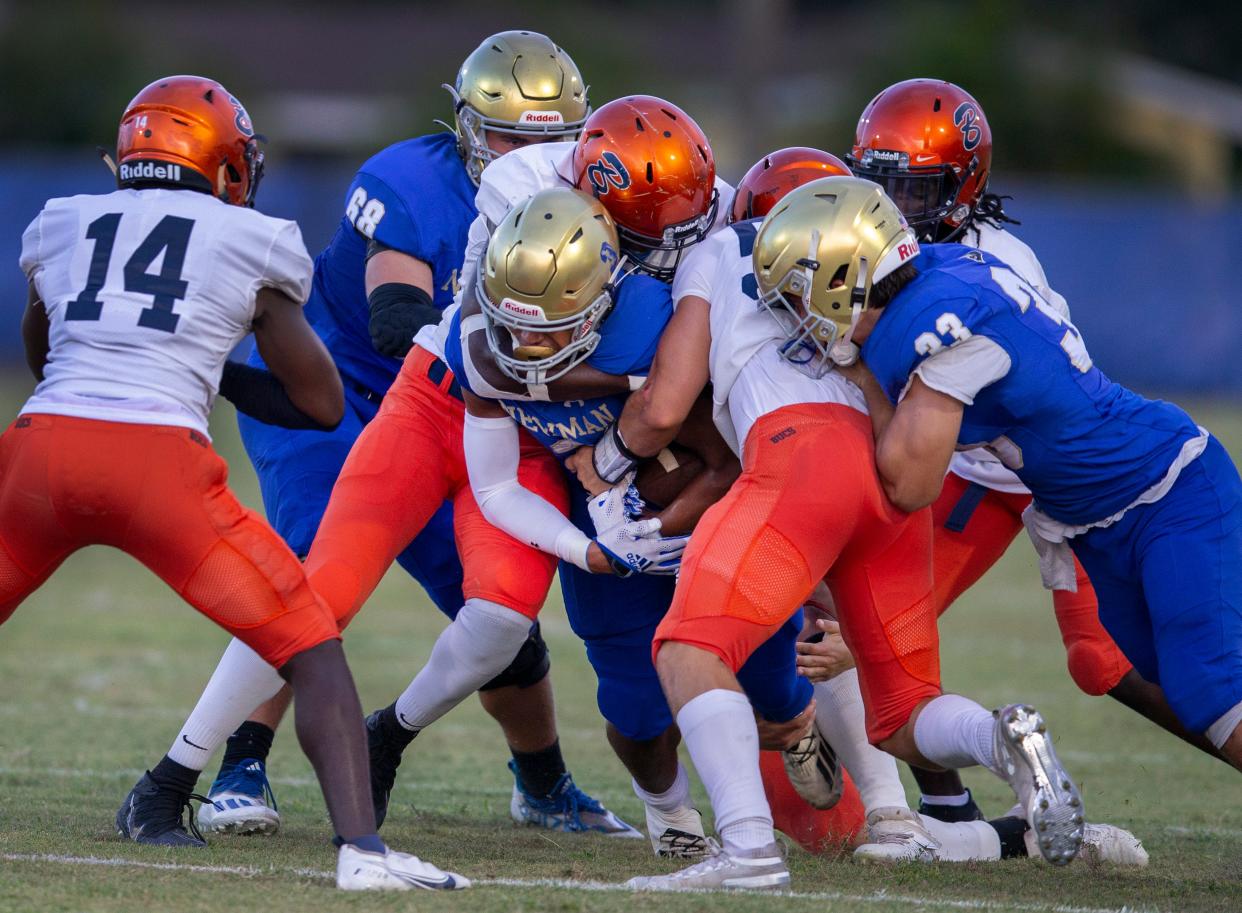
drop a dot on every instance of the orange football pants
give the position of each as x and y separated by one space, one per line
407 461
809 506
159 493
969 540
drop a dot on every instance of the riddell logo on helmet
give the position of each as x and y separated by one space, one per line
151 171
885 155
519 309
906 250
541 117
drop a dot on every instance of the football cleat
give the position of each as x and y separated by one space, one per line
814 770
240 802
896 834
358 870
724 870
1050 801
384 752
677 835
1103 843
152 814
567 809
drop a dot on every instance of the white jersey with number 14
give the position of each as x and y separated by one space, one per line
147 292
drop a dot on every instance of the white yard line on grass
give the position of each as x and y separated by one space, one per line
564 884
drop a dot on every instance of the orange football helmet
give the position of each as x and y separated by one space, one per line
189 131
651 166
927 143
776 174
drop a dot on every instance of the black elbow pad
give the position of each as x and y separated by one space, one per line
398 311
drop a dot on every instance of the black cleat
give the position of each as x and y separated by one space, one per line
152 814
952 814
386 740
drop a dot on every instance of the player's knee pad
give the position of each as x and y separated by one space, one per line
528 668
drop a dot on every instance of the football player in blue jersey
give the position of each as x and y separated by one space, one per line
389 271
964 352
584 315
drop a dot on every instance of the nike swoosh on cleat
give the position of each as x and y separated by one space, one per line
191 744
445 882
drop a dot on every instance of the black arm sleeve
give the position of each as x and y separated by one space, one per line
258 394
398 311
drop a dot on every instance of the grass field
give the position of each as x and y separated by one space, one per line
99 668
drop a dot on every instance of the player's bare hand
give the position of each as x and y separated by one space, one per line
857 372
779 736
825 656
580 463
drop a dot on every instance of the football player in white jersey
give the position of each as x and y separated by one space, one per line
136 299
927 142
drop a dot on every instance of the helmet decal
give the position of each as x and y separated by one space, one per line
608 254
242 121
607 172
965 118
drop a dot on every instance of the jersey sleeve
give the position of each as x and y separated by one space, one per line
32 243
903 340
378 212
962 370
289 268
694 274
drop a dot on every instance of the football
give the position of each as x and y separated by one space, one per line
662 478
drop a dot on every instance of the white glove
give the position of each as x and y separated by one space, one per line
615 505
636 547
844 353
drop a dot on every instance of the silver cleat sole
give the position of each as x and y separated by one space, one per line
1054 807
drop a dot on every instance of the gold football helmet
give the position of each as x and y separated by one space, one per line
549 270
515 82
816 257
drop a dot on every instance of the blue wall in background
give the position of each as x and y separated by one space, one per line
1150 279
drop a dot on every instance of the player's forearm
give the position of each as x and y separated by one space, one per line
708 487
878 405
651 420
492 458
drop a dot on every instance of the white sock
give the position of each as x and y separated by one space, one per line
476 647
842 721
675 798
720 733
964 841
242 681
951 801
953 731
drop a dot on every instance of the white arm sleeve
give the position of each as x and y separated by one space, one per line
491 446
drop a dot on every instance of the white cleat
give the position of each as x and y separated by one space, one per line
357 870
814 770
1050 801
1103 844
677 835
896 834
755 870
237 813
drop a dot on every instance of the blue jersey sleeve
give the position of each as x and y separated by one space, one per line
631 333
905 337
378 212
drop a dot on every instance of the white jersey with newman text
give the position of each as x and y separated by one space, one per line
147 292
